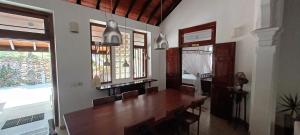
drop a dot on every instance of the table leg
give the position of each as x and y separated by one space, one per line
245 108
114 91
109 93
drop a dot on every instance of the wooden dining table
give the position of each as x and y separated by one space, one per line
111 118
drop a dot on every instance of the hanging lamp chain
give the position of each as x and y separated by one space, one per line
111 8
161 14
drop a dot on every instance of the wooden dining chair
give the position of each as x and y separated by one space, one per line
189 118
130 94
174 120
151 90
142 128
105 100
186 89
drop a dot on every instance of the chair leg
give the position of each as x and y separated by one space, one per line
198 128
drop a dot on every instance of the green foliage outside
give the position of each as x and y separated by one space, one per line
24 68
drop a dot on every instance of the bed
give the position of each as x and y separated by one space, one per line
188 79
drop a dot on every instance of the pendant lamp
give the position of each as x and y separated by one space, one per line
125 64
112 35
106 63
161 42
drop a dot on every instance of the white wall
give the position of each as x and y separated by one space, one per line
73 52
229 15
289 53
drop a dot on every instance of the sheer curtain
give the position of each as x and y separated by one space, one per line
197 63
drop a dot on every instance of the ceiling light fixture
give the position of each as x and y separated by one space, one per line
112 35
125 64
161 42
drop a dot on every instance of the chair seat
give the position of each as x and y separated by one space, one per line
190 118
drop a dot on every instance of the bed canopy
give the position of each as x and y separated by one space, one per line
197 61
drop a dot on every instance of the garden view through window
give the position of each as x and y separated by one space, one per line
133 52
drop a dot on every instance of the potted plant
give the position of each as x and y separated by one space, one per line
290 106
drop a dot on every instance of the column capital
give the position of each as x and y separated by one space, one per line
266 36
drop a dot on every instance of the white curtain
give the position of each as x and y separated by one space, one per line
197 63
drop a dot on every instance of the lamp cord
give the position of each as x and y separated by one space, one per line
111 8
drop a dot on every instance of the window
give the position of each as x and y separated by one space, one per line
101 55
132 51
122 54
140 55
21 23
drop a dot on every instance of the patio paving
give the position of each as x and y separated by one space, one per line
25 101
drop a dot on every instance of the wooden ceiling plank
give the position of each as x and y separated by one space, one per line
172 7
98 4
147 3
78 2
12 46
115 6
154 11
130 8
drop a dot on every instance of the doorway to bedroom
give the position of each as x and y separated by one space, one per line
205 65
197 68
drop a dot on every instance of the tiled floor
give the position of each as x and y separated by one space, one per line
209 125
212 125
34 128
21 101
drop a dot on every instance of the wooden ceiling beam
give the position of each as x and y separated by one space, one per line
98 4
78 2
172 7
154 11
146 4
115 6
130 8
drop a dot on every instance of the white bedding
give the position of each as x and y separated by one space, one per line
189 78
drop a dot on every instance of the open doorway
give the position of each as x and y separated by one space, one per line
207 66
197 68
27 71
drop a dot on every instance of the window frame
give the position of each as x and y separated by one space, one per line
110 54
29 13
145 48
47 36
120 80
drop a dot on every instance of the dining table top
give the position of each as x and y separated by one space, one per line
111 118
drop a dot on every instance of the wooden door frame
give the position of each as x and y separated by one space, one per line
181 32
48 36
212 41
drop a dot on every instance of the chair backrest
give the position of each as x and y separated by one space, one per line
197 104
152 90
101 101
175 113
142 128
189 90
130 94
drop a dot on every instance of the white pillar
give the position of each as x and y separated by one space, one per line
263 94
